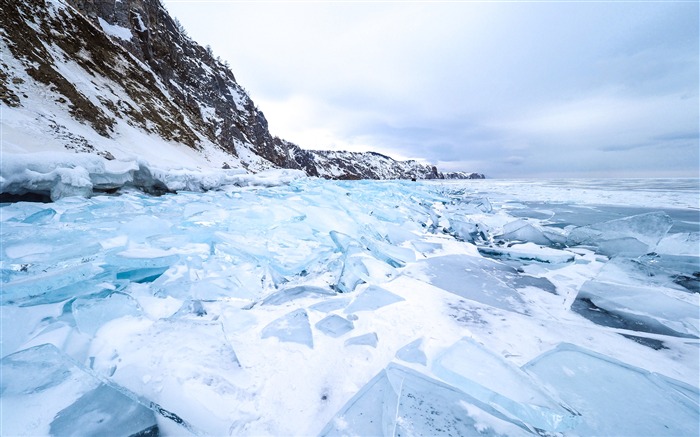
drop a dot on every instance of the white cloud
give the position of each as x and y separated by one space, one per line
555 85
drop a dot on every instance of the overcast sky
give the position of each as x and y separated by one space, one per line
510 89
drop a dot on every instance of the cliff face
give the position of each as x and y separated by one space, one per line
201 85
115 65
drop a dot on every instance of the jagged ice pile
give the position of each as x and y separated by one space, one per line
353 308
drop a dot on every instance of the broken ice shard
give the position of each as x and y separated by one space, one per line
637 308
52 286
615 398
488 377
289 294
528 252
521 230
372 299
413 353
91 314
292 327
400 401
479 279
334 325
104 411
369 339
632 236
43 392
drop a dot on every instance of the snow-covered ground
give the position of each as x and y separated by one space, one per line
309 307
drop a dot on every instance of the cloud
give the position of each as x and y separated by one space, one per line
516 89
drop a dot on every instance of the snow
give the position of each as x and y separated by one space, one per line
64 174
115 30
273 304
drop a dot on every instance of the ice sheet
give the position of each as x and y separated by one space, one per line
230 309
610 394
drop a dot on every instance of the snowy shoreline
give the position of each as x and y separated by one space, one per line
58 175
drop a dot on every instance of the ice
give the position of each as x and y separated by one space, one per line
631 236
644 309
363 415
395 256
52 286
610 394
289 294
159 297
369 339
413 353
400 401
330 305
334 325
528 252
372 299
91 314
42 216
292 327
354 270
44 392
65 174
473 278
491 379
681 244
103 411
521 230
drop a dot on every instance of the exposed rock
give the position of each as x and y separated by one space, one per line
110 60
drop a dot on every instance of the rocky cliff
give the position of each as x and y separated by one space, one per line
117 66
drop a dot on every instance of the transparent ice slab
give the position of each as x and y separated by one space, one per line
369 339
334 325
289 294
474 278
413 353
522 230
615 398
45 392
372 299
528 252
400 401
488 377
293 327
631 236
91 314
638 308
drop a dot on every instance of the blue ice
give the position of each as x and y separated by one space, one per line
615 398
293 327
372 299
413 353
65 399
334 325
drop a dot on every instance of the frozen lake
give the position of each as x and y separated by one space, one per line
485 307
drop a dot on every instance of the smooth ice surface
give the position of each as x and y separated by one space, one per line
610 394
481 280
91 314
293 327
634 235
528 252
503 384
372 299
413 353
400 401
104 411
265 309
44 392
369 339
645 309
334 325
